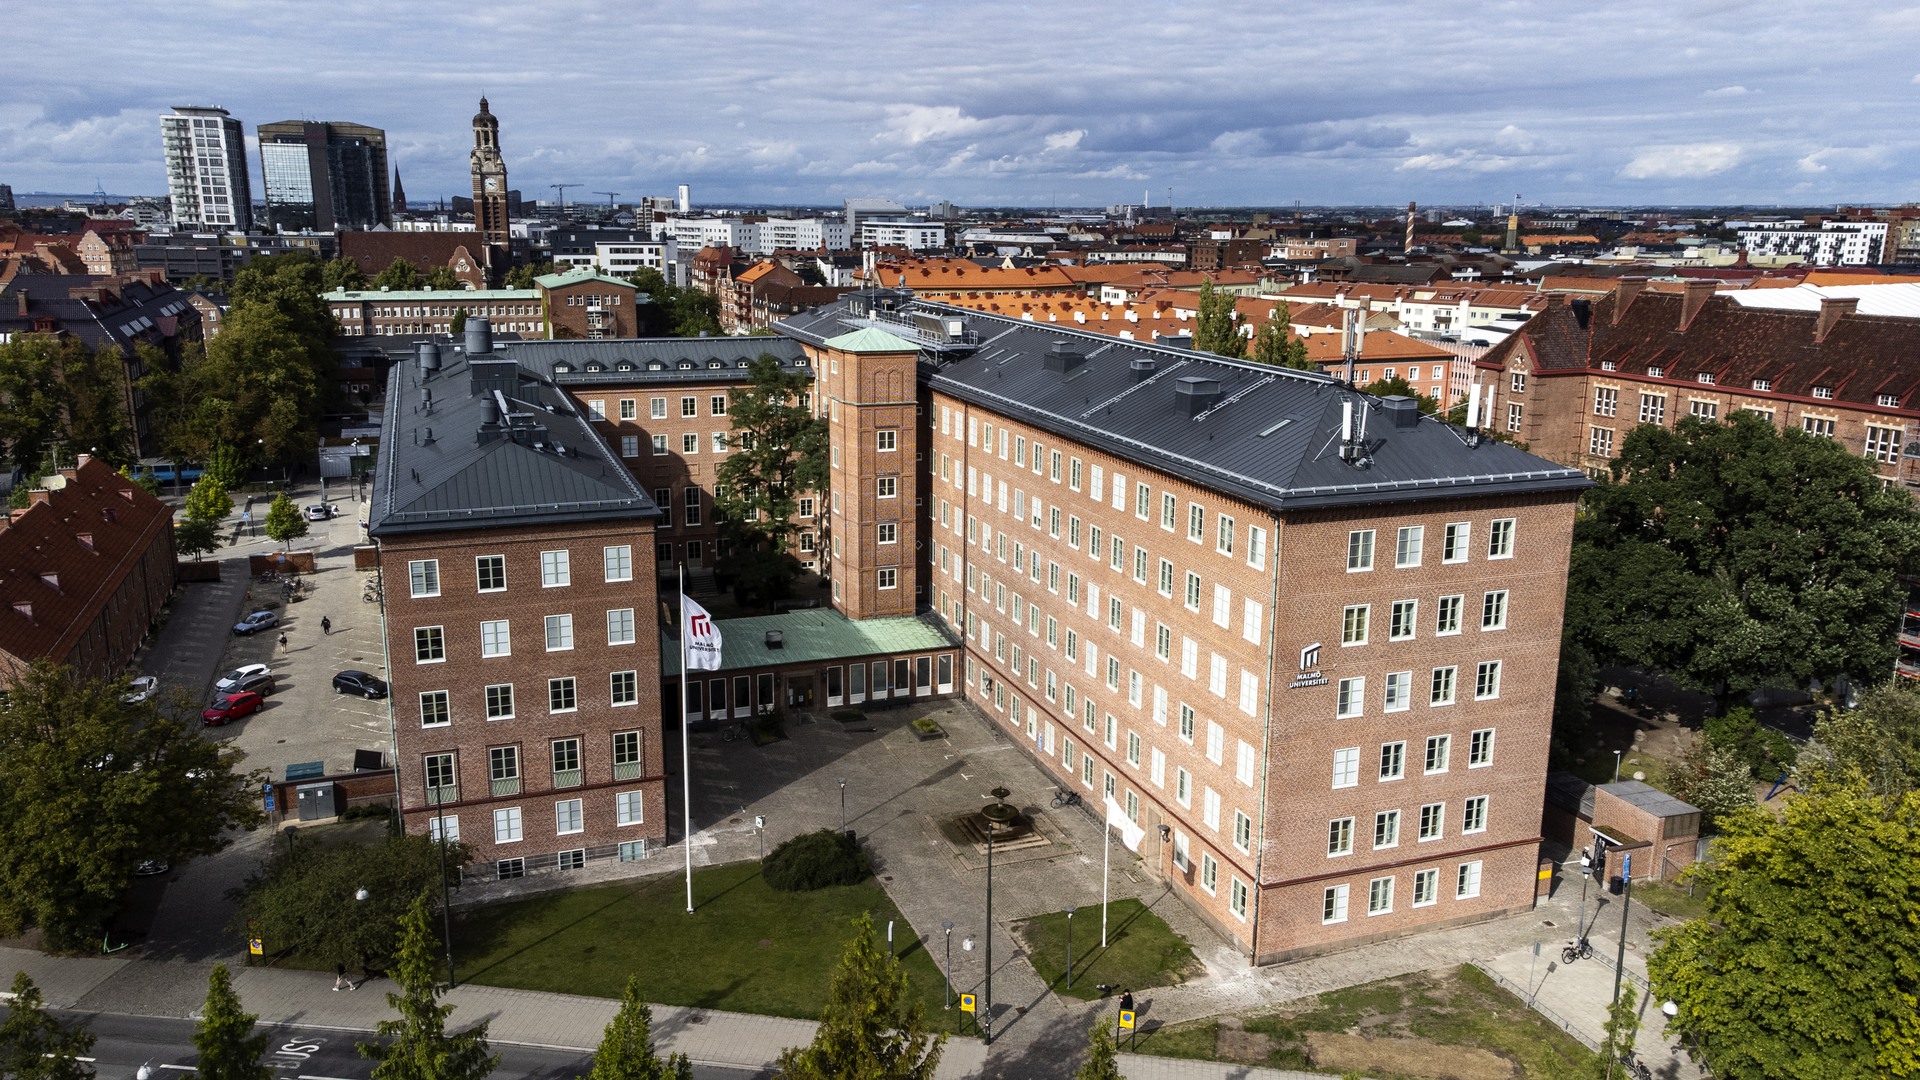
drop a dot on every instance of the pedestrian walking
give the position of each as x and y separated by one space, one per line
1126 1001
283 639
340 979
326 625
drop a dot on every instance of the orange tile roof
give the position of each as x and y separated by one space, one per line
755 272
948 274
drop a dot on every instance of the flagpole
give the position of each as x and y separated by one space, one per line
686 774
1106 865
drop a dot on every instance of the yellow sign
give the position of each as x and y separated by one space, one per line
255 947
1126 1019
966 1003
1546 873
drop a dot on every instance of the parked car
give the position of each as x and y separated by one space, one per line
140 689
232 707
251 677
360 682
256 622
322 512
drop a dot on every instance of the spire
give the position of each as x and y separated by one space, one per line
399 193
483 103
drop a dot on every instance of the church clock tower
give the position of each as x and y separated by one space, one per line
489 183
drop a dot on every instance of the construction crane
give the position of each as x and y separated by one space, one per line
609 195
562 189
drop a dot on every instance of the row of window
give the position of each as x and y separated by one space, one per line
1404 615
1386 826
1605 398
499 701
442 775
690 505
490 571
569 818
1881 444
1393 758
1350 698
1380 892
1409 546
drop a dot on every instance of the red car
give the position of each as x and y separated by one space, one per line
232 707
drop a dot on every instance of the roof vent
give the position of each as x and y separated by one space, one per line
776 639
489 413
1142 368
429 358
479 335
1062 356
1402 410
1197 394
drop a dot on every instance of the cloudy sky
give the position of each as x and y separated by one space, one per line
1055 102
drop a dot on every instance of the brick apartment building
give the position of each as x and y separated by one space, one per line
575 304
89 567
533 735
1285 654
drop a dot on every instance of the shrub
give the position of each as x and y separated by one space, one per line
816 860
926 724
1765 751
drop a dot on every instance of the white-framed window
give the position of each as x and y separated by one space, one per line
1440 690
569 817
1222 606
889 578
1350 697
889 532
630 446
1705 410
1883 444
559 633
1223 532
1256 547
1188 720
1519 382
617 562
1196 522
1514 411
657 408
1182 786
1210 808
620 626
1386 829
423 578
629 409
490 571
625 687
1339 837
1467 881
1252 625
1606 401
1473 815
494 638
1346 767
1401 626
1486 681
452 822
1399 692
506 825
1216 742
1453 548
1393 760
1406 548
1192 599
596 410
1446 619
556 569
660 446
1353 624
429 645
629 808
562 695
500 701
1426 887
1209 872
1333 905
1242 831
435 710
1653 408
1500 539
1237 899
1359 550
1439 749
1600 442
1493 610
1169 509
1380 896
1480 748
887 440
1433 819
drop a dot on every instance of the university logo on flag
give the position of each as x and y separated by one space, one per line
700 637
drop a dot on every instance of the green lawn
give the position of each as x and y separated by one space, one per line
1413 1018
1142 951
746 948
1671 900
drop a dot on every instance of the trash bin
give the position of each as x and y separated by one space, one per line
1614 885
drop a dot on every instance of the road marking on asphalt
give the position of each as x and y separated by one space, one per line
178 1068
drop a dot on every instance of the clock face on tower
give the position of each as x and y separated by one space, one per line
492 183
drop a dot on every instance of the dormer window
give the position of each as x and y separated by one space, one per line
595 366
1888 401
23 609
739 363
1608 365
51 581
715 364
1763 385
1705 378
1825 393
655 365
86 540
1656 372
686 365
624 365
562 368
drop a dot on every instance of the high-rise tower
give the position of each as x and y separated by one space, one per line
206 154
489 181
324 176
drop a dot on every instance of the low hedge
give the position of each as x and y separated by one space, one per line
816 860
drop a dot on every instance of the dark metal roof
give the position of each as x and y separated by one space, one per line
645 360
1271 436
443 465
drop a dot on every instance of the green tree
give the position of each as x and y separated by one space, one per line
1807 961
778 452
442 278
399 276
90 787
1717 780
626 1051
1400 387
522 277
458 325
1738 731
1622 1027
303 899
195 537
228 1046
873 1026
693 313
1215 329
55 393
290 284
284 521
1733 556
225 465
1103 1057
1274 343
418 1046
342 273
33 1045
207 501
1879 741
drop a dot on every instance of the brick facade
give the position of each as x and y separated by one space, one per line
591 307
873 436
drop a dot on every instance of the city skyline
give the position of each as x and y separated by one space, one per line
1226 104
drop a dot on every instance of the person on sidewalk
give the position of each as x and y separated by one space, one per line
340 978
283 639
326 625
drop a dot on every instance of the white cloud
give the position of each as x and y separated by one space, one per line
1846 157
1682 161
920 123
1066 140
1728 91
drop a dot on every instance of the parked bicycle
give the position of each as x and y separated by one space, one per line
371 594
1580 949
1063 797
735 732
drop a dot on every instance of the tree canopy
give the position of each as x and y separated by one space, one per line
1215 329
228 1046
873 1026
90 787
342 273
1103 1057
1879 741
626 1051
1274 343
400 276
56 392
673 311
284 521
1733 556
1398 386
777 452
303 899
35 1046
418 1046
1807 962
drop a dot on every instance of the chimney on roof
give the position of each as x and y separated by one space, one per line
1623 294
1196 394
1694 298
1403 410
1831 308
1063 357
1142 368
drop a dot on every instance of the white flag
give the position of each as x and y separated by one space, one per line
1130 834
699 635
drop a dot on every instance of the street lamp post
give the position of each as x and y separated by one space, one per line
446 905
948 927
1069 947
1616 765
843 804
986 1027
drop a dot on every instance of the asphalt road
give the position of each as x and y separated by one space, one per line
124 1043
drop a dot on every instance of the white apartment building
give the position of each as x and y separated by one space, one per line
1834 243
206 155
797 234
620 258
692 234
912 235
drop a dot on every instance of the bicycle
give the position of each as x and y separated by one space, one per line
734 732
1063 797
371 594
1581 949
